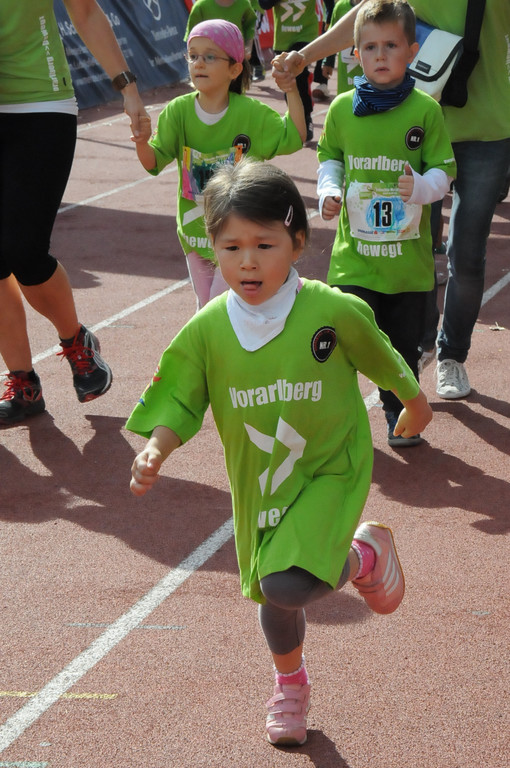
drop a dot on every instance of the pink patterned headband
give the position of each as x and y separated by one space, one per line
226 35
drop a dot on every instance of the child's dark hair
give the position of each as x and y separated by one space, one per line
255 191
381 11
243 81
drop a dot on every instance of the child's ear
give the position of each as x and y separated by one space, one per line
413 50
299 241
356 53
235 69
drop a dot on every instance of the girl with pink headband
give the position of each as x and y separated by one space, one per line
214 125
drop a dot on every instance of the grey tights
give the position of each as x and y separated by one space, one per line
282 617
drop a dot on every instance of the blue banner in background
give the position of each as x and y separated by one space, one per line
150 34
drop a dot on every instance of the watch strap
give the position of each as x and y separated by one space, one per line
121 80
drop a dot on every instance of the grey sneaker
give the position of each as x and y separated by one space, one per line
92 376
22 397
452 380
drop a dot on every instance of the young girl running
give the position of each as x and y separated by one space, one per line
217 124
292 421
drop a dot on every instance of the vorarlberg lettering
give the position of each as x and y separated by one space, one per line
281 390
379 163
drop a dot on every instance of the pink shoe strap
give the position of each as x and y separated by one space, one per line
366 557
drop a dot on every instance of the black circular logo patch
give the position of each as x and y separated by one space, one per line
323 343
244 141
414 137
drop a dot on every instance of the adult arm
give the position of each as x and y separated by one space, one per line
337 37
94 29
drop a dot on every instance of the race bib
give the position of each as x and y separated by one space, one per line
378 213
347 57
198 167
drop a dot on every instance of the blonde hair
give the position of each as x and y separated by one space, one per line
381 11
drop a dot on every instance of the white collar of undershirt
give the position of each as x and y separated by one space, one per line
256 326
208 117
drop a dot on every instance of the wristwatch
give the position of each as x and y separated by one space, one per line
123 79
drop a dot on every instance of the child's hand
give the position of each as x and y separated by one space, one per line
415 416
145 471
285 68
144 131
327 71
406 183
331 207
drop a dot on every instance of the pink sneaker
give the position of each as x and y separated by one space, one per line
383 588
286 721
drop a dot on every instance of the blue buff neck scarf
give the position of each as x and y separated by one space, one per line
368 100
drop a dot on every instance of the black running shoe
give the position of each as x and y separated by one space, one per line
92 377
397 441
22 397
257 74
309 129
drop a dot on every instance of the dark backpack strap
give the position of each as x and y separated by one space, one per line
474 18
455 91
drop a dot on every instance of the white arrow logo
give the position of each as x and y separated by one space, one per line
291 439
300 9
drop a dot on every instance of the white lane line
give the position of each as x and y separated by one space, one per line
102 195
134 307
495 289
23 764
119 316
17 724
120 118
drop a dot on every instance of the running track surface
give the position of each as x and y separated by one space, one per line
125 642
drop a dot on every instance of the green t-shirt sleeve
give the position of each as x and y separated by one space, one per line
279 134
165 141
370 351
437 148
177 397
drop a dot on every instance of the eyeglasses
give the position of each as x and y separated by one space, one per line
208 58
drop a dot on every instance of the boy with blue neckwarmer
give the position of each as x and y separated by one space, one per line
385 145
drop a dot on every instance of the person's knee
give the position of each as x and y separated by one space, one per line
27 258
35 272
291 589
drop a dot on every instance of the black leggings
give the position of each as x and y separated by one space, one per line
402 318
36 155
282 617
303 83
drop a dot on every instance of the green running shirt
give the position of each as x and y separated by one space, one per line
295 21
292 421
241 13
486 115
200 148
33 66
382 243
